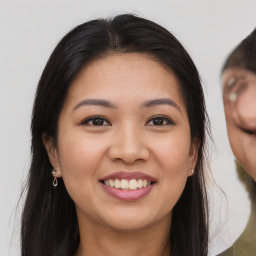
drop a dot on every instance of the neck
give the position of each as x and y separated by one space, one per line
100 240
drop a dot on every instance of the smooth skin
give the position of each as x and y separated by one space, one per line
239 96
124 112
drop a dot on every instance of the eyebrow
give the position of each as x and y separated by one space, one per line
163 101
146 104
95 102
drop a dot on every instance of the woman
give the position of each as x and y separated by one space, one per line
239 96
118 135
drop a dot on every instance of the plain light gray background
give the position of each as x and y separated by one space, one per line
29 30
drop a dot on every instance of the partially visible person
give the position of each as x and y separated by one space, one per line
239 97
239 94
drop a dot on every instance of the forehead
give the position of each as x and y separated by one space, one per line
119 76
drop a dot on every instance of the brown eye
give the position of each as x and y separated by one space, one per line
159 121
96 121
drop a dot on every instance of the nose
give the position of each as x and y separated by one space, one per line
246 108
128 145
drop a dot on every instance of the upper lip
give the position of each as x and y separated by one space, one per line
129 176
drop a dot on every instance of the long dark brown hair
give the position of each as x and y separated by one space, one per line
49 221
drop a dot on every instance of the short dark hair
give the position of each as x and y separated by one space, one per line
244 55
49 222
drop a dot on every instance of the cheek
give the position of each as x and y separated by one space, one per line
174 160
79 157
235 137
173 154
79 160
241 146
233 133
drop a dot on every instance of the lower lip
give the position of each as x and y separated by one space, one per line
127 195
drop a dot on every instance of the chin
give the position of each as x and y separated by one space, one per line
126 226
131 220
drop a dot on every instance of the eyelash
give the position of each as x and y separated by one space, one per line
163 119
90 120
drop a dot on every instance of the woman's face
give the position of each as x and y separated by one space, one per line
239 95
124 148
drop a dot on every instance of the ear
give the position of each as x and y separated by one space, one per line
193 155
52 153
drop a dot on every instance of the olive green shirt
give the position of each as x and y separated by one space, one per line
245 245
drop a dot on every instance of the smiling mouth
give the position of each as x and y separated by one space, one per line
128 186
125 184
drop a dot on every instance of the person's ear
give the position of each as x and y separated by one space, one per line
193 155
52 153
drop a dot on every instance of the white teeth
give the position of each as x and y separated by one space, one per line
139 183
127 184
133 184
144 183
111 183
124 184
117 183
